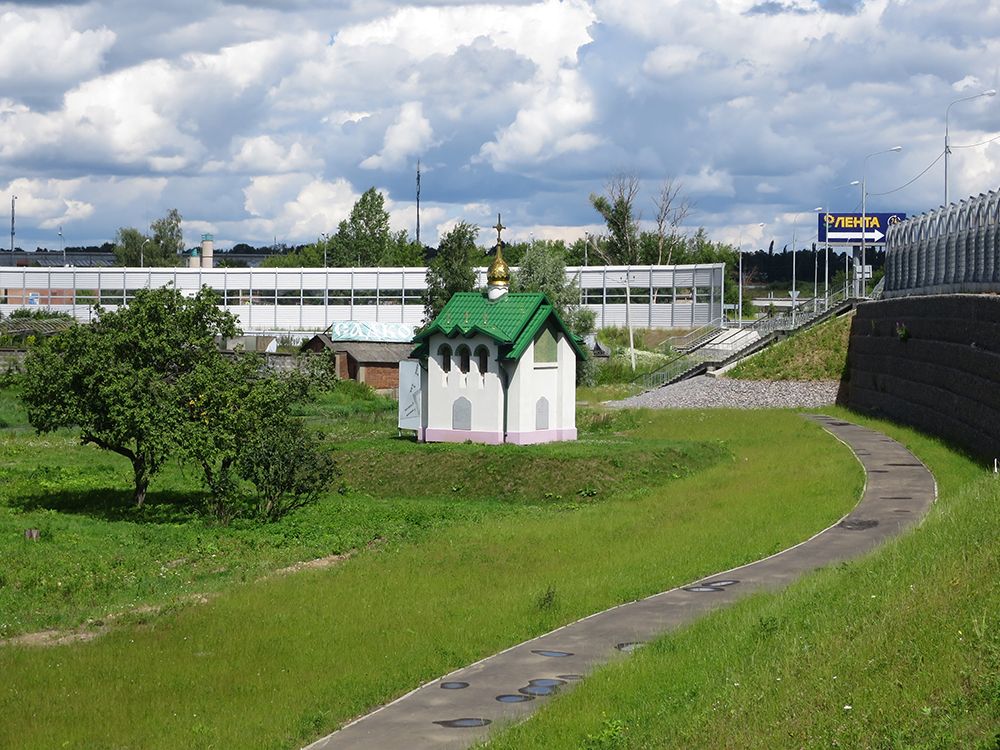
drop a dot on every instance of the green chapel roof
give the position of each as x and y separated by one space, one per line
511 320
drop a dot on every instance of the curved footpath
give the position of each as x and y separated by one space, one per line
457 710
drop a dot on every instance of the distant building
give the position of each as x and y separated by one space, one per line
369 353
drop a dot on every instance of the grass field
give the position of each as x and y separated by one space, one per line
898 650
98 555
818 353
461 573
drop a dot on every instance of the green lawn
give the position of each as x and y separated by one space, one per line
100 556
898 650
461 573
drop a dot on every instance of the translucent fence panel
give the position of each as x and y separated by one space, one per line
949 250
310 299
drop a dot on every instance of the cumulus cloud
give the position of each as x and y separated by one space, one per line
42 48
409 135
263 154
266 119
298 206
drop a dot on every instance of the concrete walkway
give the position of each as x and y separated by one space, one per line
461 708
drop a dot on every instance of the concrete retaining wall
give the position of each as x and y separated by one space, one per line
931 362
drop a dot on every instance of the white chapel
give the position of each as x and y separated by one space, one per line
498 367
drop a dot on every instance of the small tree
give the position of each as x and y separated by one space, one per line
672 207
622 246
453 268
237 416
162 249
543 269
285 466
617 208
365 235
167 235
119 379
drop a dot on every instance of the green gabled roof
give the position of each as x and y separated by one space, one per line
513 319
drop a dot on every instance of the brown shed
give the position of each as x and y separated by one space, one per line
374 363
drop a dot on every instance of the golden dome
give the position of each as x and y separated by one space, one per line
499 273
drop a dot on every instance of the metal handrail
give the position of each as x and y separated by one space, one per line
691 336
685 361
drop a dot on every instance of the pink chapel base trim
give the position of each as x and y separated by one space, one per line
541 436
438 435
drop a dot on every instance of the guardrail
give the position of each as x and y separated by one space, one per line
693 338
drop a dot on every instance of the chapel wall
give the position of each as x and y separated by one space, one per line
483 391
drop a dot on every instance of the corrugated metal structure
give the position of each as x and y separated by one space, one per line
952 249
310 299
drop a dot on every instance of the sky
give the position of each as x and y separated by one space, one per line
263 121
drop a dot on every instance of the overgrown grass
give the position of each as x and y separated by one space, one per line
900 649
274 663
818 353
595 395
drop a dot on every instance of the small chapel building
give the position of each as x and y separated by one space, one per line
498 367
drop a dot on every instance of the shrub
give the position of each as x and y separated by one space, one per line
286 467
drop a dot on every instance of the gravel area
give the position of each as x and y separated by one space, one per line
704 392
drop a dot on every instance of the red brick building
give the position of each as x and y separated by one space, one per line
374 363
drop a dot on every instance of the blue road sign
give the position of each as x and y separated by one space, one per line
846 229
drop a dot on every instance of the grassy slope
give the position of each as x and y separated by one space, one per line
272 663
818 353
901 649
98 555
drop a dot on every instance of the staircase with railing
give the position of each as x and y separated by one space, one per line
701 355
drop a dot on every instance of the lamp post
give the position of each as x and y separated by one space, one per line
794 292
947 145
864 211
826 210
142 259
62 244
740 272
12 199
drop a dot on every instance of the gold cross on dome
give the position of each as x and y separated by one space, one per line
499 227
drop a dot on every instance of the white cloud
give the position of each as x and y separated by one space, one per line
259 119
709 181
263 154
49 202
552 123
549 33
42 47
671 60
298 206
409 135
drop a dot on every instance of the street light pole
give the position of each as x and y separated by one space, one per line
12 199
826 235
947 144
795 226
62 243
740 272
864 212
142 259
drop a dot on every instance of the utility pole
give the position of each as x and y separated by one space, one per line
418 201
12 199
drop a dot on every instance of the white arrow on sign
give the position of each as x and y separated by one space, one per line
873 234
